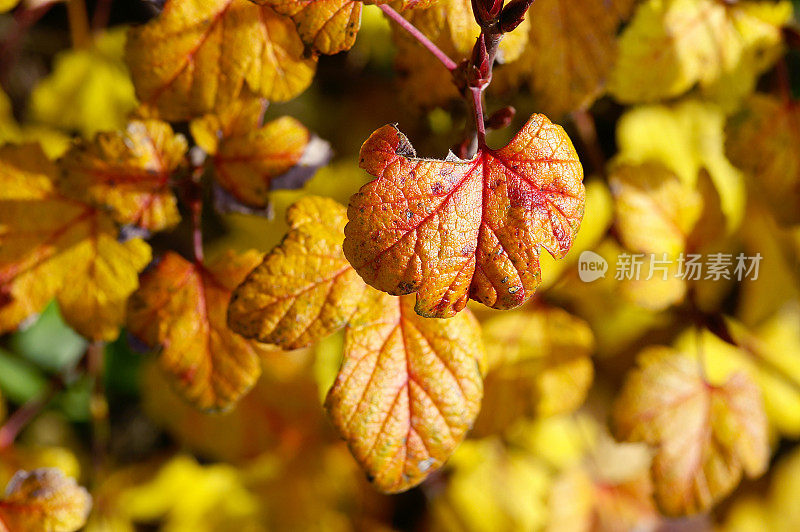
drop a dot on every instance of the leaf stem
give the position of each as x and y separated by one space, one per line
587 131
419 36
480 125
197 230
78 24
22 417
101 430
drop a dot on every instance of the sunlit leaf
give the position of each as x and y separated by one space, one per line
304 289
408 390
129 172
706 434
89 90
53 246
764 141
251 160
198 57
452 229
180 308
539 365
44 499
671 45
571 52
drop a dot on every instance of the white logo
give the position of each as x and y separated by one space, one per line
591 266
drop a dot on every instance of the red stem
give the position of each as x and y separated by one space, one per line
197 230
20 419
102 13
480 126
419 36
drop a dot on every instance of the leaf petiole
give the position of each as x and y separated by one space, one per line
419 36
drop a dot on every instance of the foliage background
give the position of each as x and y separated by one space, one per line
274 462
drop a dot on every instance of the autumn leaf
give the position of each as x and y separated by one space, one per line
408 390
687 138
670 45
705 434
129 173
571 53
251 160
53 142
539 365
180 308
54 246
44 499
489 487
89 89
454 229
612 491
196 58
304 289
764 141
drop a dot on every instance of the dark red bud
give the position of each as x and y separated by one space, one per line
513 14
501 118
486 11
481 63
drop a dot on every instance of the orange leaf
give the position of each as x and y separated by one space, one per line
330 26
44 499
454 229
181 308
408 390
54 246
129 172
705 434
764 141
197 57
249 161
304 289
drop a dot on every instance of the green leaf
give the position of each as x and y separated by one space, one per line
49 342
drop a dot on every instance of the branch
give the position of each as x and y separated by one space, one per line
419 36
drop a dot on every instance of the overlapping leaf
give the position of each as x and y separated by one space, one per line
705 434
129 173
54 246
304 289
671 45
44 499
539 365
251 160
330 26
571 52
196 58
408 390
764 141
454 229
180 308
89 89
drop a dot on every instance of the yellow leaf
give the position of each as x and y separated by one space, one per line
53 246
248 160
539 365
44 499
491 488
89 89
705 433
764 141
180 308
671 45
129 172
35 456
305 288
408 390
54 143
8 5
613 492
655 211
193 497
571 52
263 420
686 138
198 57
